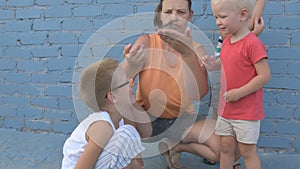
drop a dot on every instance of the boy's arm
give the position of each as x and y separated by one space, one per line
263 76
97 137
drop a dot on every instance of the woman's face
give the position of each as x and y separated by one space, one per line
176 11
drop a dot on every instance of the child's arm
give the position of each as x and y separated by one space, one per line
263 76
97 136
211 63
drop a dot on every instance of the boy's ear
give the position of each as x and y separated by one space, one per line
244 13
110 96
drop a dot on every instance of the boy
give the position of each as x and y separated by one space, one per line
102 140
244 72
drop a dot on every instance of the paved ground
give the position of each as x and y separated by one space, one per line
23 150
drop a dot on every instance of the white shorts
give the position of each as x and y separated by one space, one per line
245 131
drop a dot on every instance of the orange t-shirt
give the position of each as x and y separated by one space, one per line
160 88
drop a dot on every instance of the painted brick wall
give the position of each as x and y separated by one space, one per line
41 39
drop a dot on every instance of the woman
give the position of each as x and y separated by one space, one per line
171 76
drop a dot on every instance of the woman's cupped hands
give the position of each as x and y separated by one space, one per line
181 42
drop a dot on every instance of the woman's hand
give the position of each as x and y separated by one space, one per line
182 43
135 55
259 25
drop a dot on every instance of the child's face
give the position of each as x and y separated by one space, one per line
123 92
176 11
227 17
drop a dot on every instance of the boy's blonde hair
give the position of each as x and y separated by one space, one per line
95 83
239 4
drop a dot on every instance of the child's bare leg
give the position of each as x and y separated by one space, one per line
249 154
228 149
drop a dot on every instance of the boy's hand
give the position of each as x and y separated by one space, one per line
232 95
209 62
135 56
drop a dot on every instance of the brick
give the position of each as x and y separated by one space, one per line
283 53
7 64
278 66
294 68
285 22
267 126
22 26
146 8
17 77
33 38
297 145
50 3
29 90
30 112
198 7
277 111
20 3
66 104
8 111
118 10
31 66
44 52
14 122
297 113
295 38
98 24
61 64
38 124
275 8
274 141
8 39
66 76
70 50
28 13
292 8
72 24
58 11
54 115
289 127
6 14
79 2
289 97
58 91
268 37
45 78
8 89
47 25
205 23
88 11
18 53
284 82
63 37
15 100
65 127
44 102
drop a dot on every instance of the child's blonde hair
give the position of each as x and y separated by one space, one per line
239 4
95 83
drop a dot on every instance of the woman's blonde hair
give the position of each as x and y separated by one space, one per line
95 83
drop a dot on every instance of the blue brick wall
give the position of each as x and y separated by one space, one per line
40 41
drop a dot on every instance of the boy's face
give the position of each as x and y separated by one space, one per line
123 91
228 19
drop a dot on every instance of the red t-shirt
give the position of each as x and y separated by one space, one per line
238 69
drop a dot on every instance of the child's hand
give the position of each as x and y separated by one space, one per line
135 56
209 62
232 95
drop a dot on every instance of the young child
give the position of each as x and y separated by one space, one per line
244 72
102 140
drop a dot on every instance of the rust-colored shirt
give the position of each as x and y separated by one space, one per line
160 88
